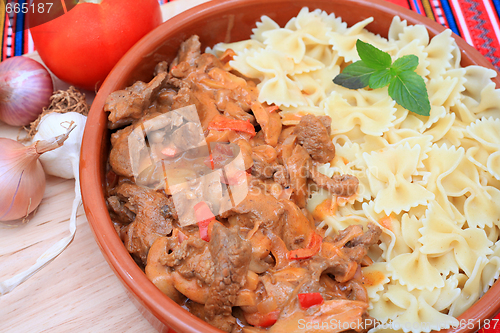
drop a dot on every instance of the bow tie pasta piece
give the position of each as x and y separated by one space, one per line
271 62
335 23
393 168
240 64
441 234
417 309
264 25
491 270
325 55
487 133
482 207
440 162
306 29
439 54
237 47
480 95
308 64
402 137
280 90
375 277
345 42
401 34
471 288
445 91
421 123
442 128
347 108
392 241
409 230
404 266
418 50
445 264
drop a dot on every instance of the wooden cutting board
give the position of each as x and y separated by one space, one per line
78 291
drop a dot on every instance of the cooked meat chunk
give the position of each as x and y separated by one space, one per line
150 221
191 258
258 207
270 123
341 185
231 256
125 106
121 213
297 228
313 135
298 165
189 51
119 157
264 161
327 122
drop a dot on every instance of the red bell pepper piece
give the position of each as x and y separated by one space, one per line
309 299
203 216
223 124
312 248
262 320
169 151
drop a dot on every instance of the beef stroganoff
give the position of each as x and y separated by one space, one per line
356 213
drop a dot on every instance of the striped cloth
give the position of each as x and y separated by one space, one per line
476 21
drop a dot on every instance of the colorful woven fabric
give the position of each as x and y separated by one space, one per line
476 21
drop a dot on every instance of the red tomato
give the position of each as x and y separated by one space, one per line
82 46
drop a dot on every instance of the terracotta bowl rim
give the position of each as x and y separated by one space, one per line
90 165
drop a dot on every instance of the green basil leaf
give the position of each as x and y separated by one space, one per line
372 56
405 63
354 76
380 78
408 90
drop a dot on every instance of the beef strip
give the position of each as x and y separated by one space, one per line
313 135
264 161
121 213
257 207
192 259
151 221
231 256
270 123
354 244
125 106
297 228
341 185
189 51
297 166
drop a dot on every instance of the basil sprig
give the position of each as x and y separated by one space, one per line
376 70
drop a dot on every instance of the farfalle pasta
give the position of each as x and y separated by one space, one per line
432 184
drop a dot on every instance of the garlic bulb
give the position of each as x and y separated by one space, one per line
62 161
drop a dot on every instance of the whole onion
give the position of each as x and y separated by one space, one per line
25 89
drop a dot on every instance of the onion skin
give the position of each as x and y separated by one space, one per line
25 89
22 180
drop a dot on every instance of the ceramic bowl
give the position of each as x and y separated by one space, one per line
217 21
